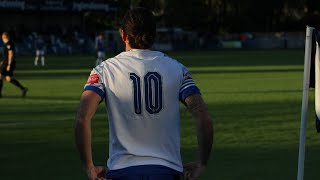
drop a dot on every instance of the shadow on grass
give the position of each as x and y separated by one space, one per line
55 75
52 75
85 75
257 92
254 141
60 160
57 98
254 163
225 71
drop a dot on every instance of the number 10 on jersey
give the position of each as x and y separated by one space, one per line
152 92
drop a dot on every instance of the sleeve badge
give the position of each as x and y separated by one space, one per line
93 79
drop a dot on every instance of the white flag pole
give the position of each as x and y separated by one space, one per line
304 109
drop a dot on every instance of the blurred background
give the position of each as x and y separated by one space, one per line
70 26
245 55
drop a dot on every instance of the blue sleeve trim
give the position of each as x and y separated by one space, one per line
188 92
96 90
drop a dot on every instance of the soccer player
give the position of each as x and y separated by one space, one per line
100 45
142 89
39 46
8 64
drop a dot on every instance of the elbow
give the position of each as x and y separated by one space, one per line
80 125
81 120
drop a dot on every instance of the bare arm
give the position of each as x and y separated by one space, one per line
198 108
10 56
88 106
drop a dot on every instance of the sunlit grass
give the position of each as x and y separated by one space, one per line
254 98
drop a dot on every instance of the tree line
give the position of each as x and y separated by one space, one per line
233 16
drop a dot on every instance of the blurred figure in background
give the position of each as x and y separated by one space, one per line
100 46
40 47
8 64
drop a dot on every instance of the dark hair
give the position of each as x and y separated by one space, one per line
140 26
6 34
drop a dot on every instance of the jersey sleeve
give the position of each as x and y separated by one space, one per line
95 82
188 86
10 46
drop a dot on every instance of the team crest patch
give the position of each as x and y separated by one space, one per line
93 78
8 46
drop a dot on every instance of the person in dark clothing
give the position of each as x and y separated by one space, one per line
8 64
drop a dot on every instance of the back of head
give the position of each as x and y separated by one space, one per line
5 37
6 34
140 26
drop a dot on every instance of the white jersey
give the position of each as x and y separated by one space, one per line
142 89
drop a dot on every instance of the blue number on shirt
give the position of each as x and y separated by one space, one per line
136 92
153 92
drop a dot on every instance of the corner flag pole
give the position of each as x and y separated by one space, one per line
304 109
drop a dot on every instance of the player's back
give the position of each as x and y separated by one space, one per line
142 97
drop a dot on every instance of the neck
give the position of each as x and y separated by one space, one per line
128 47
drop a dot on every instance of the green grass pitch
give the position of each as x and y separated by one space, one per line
254 98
